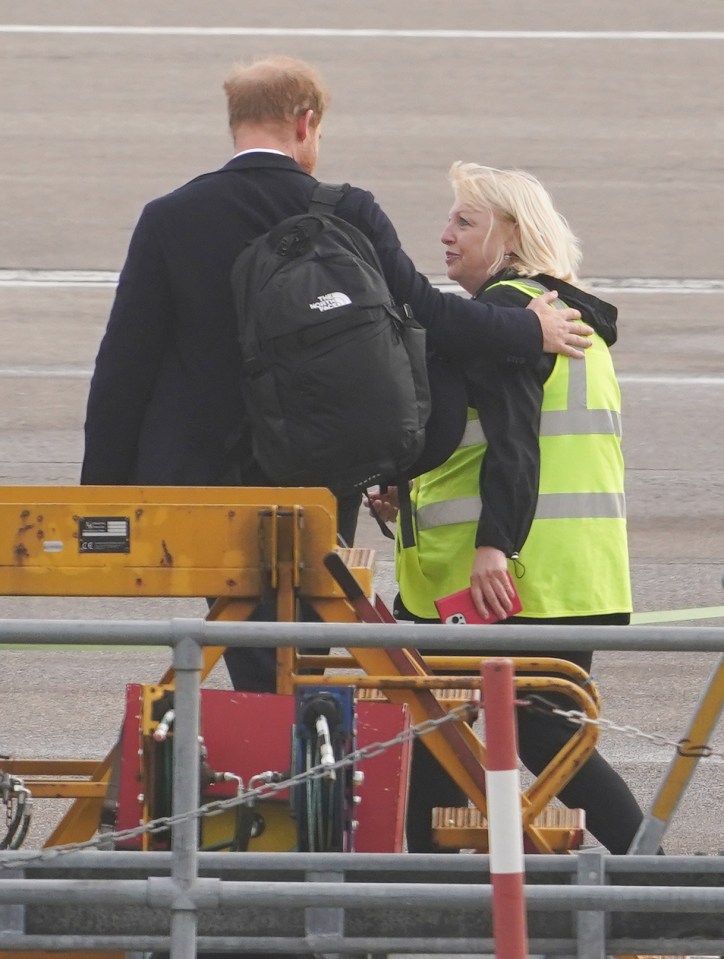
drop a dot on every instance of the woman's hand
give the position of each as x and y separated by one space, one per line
386 504
490 584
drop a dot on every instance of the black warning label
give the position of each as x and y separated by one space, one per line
104 534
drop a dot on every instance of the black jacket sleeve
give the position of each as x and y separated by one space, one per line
509 400
455 326
128 360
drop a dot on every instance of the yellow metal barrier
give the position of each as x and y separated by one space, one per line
242 545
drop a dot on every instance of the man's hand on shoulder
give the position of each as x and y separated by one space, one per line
562 330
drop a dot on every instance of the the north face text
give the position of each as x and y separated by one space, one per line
330 301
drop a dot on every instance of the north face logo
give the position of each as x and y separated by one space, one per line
330 301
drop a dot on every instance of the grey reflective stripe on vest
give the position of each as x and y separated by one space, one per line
577 386
556 423
581 506
449 511
578 422
577 418
550 506
473 434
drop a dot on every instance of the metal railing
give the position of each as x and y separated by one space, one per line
587 904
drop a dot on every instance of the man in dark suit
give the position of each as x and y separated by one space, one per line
165 396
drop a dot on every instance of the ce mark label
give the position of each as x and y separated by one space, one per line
104 534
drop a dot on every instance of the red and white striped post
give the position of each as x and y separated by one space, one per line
505 821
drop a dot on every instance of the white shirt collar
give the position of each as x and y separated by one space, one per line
260 150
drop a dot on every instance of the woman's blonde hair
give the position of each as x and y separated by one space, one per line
544 242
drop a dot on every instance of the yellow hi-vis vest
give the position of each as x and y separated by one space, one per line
575 559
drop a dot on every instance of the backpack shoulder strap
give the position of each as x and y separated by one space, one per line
326 196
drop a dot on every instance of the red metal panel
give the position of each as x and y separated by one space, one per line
383 794
249 733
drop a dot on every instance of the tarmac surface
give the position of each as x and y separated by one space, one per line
623 125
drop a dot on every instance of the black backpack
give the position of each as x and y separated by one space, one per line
333 373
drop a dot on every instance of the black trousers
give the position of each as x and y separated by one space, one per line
612 814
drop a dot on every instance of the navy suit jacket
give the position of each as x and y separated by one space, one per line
165 394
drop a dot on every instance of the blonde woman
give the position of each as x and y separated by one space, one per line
534 484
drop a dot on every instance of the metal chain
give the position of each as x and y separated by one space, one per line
215 808
683 746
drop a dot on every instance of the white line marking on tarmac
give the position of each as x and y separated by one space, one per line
103 279
80 373
362 33
59 278
624 284
665 379
43 372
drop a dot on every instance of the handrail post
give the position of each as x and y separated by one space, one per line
591 923
187 662
505 820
